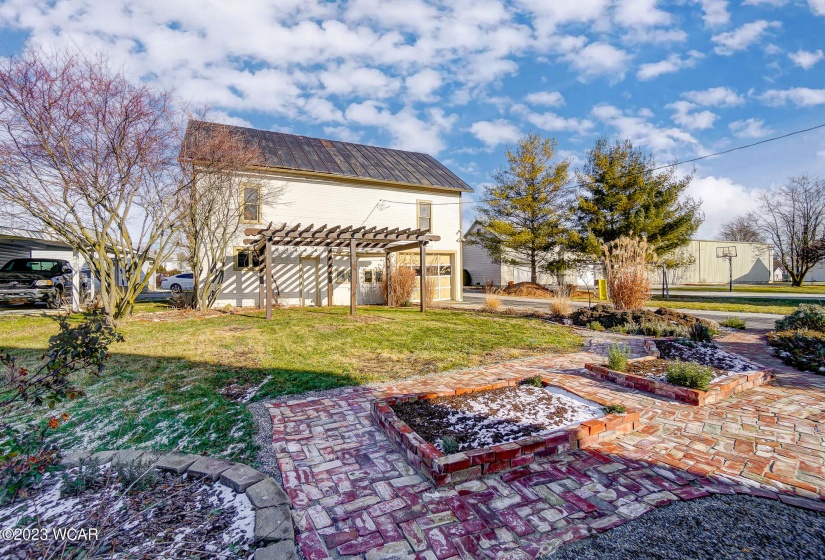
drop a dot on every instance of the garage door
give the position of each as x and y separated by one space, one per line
9 251
439 268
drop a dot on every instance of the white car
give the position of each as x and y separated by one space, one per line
178 283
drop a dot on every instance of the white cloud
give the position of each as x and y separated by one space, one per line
685 114
422 85
771 3
806 59
555 123
349 80
749 128
801 96
323 110
493 133
599 59
224 118
741 38
817 7
344 133
671 64
715 97
722 200
715 11
663 141
408 131
632 13
821 154
548 98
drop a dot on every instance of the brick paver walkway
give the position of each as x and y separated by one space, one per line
353 496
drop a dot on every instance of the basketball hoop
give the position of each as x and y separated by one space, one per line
728 253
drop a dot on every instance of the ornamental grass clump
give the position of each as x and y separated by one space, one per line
734 323
626 262
534 381
613 408
492 304
617 356
689 374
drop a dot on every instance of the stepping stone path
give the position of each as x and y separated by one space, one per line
353 495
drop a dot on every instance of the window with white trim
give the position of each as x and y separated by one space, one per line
425 215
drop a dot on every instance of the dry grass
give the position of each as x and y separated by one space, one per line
430 290
492 304
628 279
560 306
402 284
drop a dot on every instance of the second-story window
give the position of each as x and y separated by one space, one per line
425 215
251 203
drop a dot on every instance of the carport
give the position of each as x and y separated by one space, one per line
24 244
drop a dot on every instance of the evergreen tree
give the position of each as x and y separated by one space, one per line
620 194
526 210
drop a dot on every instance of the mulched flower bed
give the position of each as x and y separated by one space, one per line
495 416
704 354
174 517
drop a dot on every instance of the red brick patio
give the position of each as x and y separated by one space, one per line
354 496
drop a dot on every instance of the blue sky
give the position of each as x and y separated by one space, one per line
462 79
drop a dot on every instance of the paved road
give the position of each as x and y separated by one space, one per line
749 295
754 320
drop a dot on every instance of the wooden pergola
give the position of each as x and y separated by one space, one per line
365 239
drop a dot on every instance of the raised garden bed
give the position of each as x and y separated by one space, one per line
648 374
497 427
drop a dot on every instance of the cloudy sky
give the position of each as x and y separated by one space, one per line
462 79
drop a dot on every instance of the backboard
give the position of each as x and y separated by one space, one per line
726 252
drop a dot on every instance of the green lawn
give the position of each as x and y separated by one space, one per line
163 385
735 305
778 287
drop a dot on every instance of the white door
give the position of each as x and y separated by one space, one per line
310 295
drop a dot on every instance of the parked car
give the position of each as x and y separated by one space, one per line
178 283
35 281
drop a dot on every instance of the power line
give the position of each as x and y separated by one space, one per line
692 160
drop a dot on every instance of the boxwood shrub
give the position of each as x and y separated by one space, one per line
808 316
689 374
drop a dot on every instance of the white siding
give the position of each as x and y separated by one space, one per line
753 263
479 265
320 201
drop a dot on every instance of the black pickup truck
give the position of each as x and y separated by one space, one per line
35 281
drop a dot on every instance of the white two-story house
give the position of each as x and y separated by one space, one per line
326 182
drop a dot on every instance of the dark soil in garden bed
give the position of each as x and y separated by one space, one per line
704 354
657 369
169 517
487 418
610 318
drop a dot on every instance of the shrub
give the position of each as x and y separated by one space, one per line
491 304
133 476
449 445
534 381
734 323
612 408
802 349
85 476
689 374
617 356
699 332
627 328
808 316
401 283
466 278
560 308
430 289
24 454
626 263
595 326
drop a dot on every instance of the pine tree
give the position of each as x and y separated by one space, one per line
525 212
621 194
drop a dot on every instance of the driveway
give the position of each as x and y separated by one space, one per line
759 321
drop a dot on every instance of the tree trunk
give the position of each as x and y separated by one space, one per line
534 277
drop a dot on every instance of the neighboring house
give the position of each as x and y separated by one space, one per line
751 265
483 269
343 184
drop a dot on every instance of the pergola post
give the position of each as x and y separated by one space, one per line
387 278
353 281
261 280
329 277
268 261
422 255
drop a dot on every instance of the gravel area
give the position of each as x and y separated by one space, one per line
712 528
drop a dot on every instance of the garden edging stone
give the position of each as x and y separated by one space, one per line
273 530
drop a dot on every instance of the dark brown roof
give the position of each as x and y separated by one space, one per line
343 159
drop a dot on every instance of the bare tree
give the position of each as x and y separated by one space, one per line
216 204
91 156
742 228
792 217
